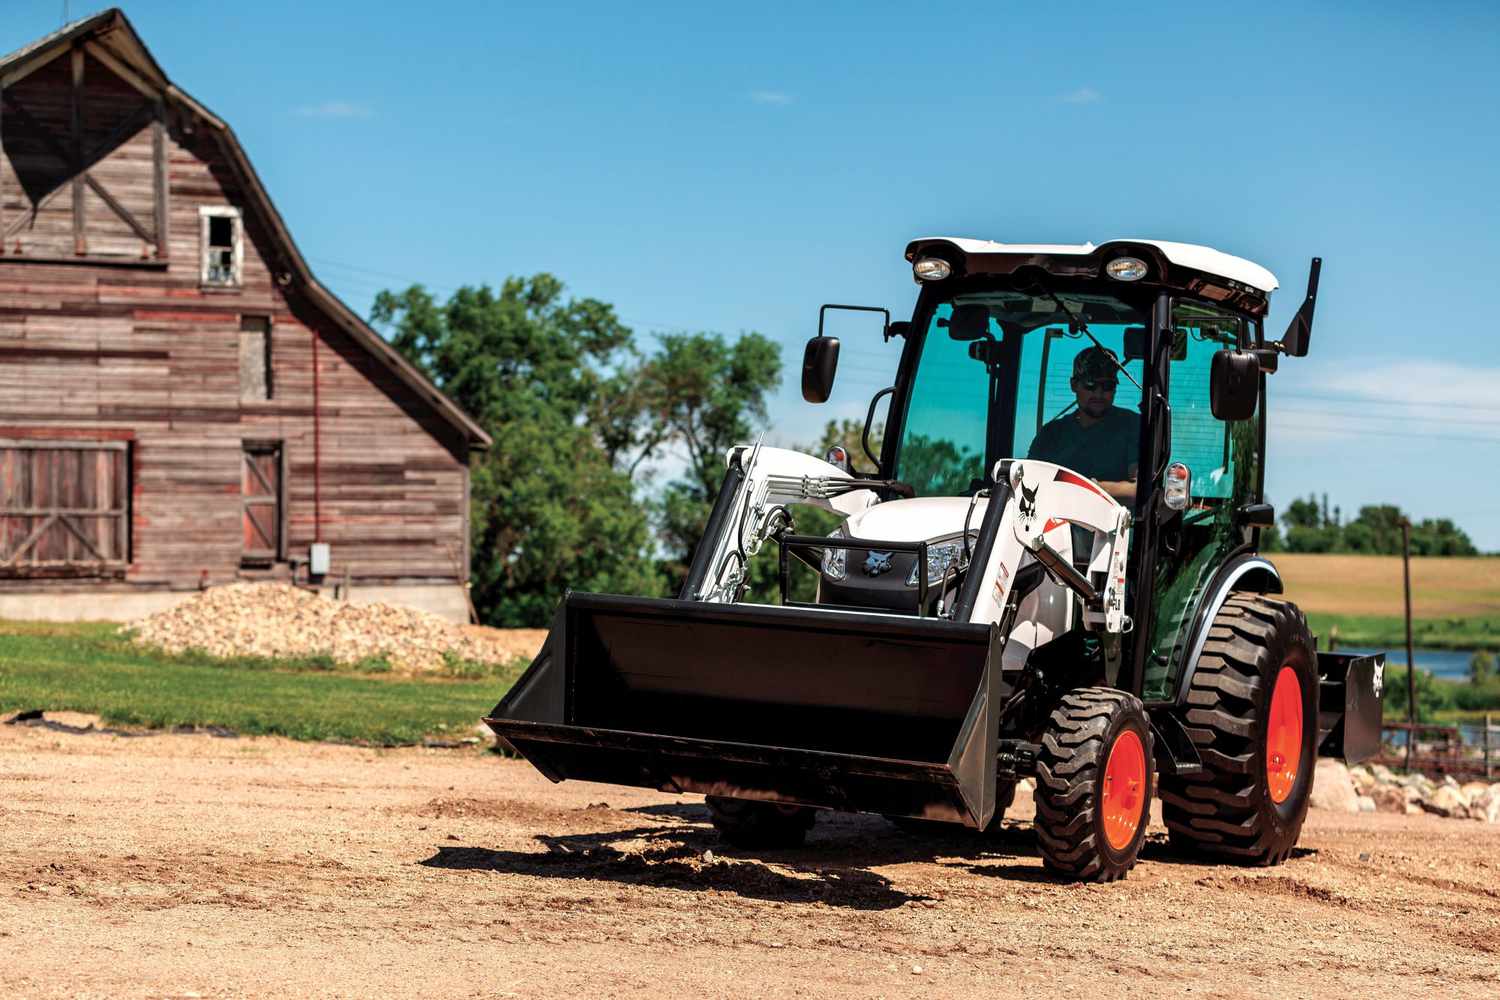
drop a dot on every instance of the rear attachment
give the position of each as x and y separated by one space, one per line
849 711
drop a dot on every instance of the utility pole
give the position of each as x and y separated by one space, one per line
1411 666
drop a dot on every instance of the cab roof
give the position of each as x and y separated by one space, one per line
1205 260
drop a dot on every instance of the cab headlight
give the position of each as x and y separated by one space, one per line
835 561
941 557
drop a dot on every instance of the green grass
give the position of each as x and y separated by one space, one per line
1429 633
88 668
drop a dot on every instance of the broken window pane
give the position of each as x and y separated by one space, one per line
221 232
221 246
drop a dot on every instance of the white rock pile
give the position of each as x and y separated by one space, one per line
1376 788
278 621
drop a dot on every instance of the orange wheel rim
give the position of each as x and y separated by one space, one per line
1284 735
1124 790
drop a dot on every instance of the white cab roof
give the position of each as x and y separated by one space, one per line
1199 258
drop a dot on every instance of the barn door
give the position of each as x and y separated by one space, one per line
261 490
64 508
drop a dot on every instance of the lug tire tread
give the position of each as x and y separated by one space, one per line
1222 810
1067 774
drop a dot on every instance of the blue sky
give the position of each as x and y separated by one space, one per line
732 169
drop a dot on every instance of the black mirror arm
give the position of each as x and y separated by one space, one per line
864 439
885 313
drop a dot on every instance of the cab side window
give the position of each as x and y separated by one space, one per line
1214 451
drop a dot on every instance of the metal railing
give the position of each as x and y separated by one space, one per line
1466 751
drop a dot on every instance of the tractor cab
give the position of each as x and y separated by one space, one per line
1135 364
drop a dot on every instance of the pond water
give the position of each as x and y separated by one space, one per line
1450 664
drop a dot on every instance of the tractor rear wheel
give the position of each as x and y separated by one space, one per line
753 824
1093 784
1252 713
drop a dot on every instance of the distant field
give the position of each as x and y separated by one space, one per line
1441 588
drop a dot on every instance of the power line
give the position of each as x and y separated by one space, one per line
1351 400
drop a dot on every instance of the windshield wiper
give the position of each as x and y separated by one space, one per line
1081 325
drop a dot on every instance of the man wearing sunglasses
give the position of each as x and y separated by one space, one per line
1098 439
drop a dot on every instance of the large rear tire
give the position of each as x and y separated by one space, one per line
758 825
1252 713
1093 785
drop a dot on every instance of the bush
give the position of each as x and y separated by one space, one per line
1435 695
1481 667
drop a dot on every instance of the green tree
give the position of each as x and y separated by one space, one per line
1303 514
700 395
1307 528
1440 537
547 377
848 434
1432 695
1481 667
1376 529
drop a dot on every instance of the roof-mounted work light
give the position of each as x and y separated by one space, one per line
931 269
1126 269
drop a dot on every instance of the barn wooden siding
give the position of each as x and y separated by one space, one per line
108 335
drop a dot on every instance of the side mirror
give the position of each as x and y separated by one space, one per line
1299 330
1233 385
820 361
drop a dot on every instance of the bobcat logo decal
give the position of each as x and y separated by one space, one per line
1028 501
877 563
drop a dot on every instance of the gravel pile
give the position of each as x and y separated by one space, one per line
277 620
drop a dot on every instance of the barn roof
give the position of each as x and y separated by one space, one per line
111 32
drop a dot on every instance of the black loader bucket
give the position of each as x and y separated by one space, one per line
859 712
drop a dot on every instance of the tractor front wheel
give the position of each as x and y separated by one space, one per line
1252 712
1093 784
756 825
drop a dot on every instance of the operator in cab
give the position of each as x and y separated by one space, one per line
1098 439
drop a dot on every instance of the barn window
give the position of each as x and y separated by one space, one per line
64 508
223 242
255 357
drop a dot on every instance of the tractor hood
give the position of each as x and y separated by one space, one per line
919 519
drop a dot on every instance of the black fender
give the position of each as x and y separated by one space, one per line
1248 571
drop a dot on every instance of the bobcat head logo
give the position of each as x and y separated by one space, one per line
1028 501
877 563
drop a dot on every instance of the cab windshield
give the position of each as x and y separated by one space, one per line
996 379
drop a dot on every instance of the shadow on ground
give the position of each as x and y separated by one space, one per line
834 868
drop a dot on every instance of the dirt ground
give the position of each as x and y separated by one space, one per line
189 865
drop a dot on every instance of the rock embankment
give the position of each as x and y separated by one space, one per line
279 621
1376 788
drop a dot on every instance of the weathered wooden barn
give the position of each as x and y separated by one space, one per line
182 403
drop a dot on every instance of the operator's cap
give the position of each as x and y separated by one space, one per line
1096 364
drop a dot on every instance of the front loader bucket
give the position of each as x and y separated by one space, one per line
859 712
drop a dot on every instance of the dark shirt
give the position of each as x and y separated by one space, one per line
1104 451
